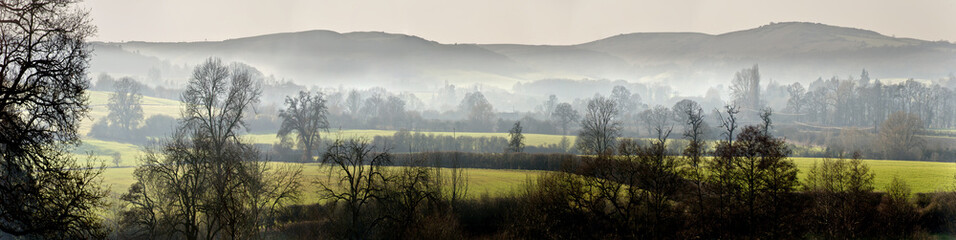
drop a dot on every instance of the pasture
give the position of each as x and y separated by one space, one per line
481 182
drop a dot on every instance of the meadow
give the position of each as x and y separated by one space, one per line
921 176
481 182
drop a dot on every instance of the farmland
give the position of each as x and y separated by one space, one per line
921 176
490 182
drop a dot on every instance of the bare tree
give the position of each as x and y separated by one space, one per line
899 134
515 139
124 105
797 102
657 121
599 128
305 115
206 183
728 121
565 115
353 102
694 130
361 181
746 87
548 106
43 61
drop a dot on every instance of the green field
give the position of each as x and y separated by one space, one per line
531 139
151 106
488 182
921 176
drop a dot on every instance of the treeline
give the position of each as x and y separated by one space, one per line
748 188
865 103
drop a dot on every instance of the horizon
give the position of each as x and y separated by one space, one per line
535 22
570 44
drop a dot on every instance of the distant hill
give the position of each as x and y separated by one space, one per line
786 52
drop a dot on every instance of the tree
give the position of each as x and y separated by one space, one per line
124 105
565 115
752 177
682 109
599 128
694 130
842 200
353 102
306 115
728 123
361 182
515 139
899 134
548 106
797 101
117 159
479 111
864 78
657 121
206 182
622 97
43 60
746 87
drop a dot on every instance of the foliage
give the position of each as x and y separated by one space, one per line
516 139
45 193
125 106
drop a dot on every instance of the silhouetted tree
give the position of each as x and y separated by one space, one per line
205 183
306 115
44 193
599 128
515 138
694 130
843 202
361 182
753 178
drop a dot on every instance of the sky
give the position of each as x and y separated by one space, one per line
538 22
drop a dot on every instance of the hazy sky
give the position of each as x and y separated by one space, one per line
504 21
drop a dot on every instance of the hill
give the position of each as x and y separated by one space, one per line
786 52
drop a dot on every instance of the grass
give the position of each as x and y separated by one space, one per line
151 106
530 139
490 182
102 151
922 177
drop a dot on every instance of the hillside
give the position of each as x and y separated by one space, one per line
786 52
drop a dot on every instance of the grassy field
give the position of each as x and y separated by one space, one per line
481 181
921 176
531 139
151 106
